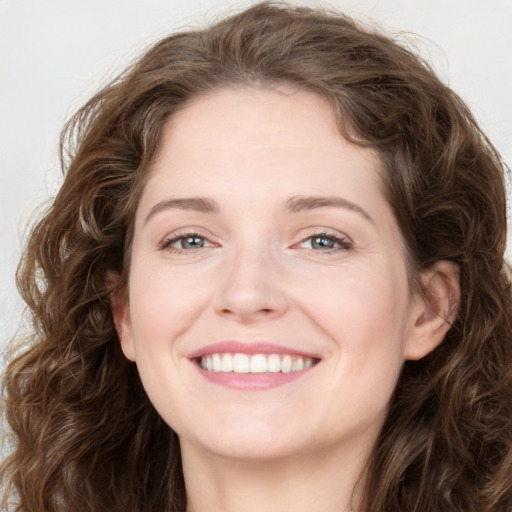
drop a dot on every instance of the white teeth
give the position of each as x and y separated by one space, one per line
298 365
286 364
241 363
217 363
257 363
227 363
274 363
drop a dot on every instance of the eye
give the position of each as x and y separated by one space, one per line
185 242
326 242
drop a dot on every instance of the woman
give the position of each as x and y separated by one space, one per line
273 277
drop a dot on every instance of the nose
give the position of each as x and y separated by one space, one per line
252 289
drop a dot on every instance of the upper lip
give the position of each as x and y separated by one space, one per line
245 347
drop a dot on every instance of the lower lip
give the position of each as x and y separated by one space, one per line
251 381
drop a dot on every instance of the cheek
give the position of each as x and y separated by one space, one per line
356 302
163 306
164 300
365 315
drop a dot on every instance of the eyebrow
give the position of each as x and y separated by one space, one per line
304 203
293 205
198 204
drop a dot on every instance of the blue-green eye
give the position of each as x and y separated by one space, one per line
190 242
325 242
186 242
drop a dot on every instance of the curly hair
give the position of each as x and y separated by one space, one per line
85 436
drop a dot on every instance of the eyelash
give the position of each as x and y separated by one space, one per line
167 243
344 244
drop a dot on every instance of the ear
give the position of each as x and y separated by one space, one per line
434 309
122 319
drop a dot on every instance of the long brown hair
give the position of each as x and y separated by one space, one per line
86 438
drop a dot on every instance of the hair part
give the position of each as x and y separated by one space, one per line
86 436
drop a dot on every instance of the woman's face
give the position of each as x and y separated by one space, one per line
269 311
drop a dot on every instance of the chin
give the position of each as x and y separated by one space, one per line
250 440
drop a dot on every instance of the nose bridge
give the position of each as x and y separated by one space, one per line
251 286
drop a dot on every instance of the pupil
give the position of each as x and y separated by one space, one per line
192 241
322 242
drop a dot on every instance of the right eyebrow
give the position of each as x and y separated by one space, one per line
198 204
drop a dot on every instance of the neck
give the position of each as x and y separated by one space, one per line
327 482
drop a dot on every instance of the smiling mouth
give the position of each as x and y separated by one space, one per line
257 363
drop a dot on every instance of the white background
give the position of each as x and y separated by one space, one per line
55 53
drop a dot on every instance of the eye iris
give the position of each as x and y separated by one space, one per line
192 242
322 242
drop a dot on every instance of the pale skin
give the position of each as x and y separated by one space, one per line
253 261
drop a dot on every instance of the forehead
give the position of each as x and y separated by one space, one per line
270 134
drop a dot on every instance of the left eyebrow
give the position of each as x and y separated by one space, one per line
302 203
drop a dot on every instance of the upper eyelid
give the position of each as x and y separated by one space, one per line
326 232
187 231
167 241
340 239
